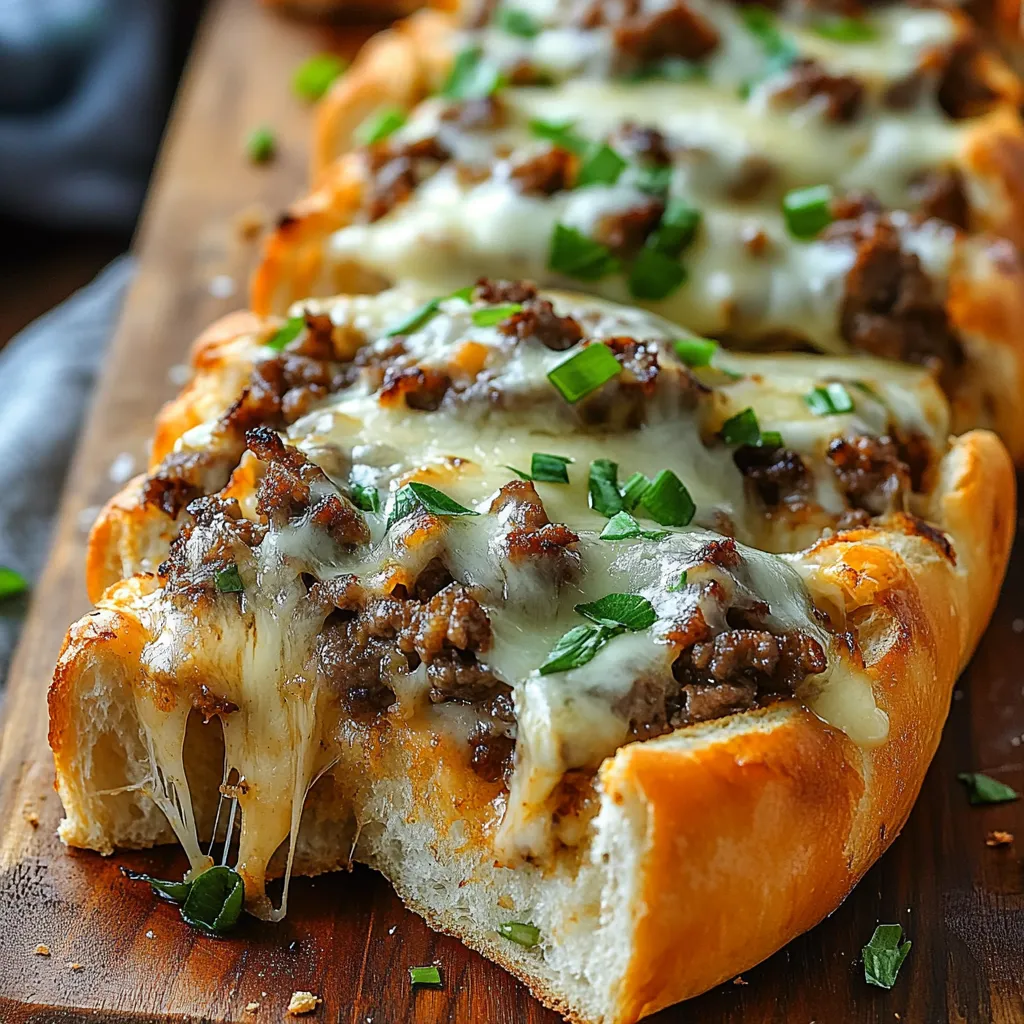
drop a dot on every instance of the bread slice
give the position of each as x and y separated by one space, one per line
641 862
468 187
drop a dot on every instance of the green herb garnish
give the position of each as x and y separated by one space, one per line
416 319
549 469
983 789
883 955
211 902
668 501
576 648
365 497
379 126
677 228
261 145
472 77
622 526
313 78
830 400
527 934
695 352
600 166
633 490
228 580
11 583
584 371
516 22
672 69
425 975
681 585
572 253
743 429
653 275
286 333
415 495
491 315
844 29
779 51
603 487
561 134
176 892
807 210
631 611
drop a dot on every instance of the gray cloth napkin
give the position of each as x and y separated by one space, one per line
82 94
46 375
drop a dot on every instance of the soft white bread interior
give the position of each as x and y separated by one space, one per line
624 930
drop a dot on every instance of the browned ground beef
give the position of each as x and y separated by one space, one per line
396 170
550 171
870 472
963 91
492 748
807 80
626 231
940 193
487 112
418 387
777 475
891 307
641 143
498 292
674 31
538 320
530 536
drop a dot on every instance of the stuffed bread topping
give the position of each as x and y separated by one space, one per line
766 220
412 574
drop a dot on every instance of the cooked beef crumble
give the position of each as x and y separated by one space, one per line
777 475
806 80
870 472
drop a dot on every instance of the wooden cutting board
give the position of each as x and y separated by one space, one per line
347 938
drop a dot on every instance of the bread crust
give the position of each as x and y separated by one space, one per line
716 797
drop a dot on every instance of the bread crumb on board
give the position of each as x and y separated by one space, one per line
740 980
75 966
251 1007
42 949
999 838
303 1002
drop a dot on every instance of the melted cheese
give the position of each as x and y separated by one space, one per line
262 653
451 230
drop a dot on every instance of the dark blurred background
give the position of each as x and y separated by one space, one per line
85 89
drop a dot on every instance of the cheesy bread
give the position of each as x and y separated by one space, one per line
526 598
802 201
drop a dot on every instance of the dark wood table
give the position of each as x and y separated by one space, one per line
347 938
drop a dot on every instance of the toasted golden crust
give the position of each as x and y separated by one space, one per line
775 814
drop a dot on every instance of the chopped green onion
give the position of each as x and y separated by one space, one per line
516 22
492 315
379 126
527 934
561 134
844 29
415 495
668 501
695 352
633 489
214 902
603 487
681 585
829 400
465 294
576 648
631 611
261 145
780 51
622 526
416 319
983 789
549 469
672 69
425 975
807 210
742 428
11 583
601 166
572 253
313 78
365 497
654 275
176 892
883 955
519 473
286 333
584 371
653 180
472 76
770 439
677 228
228 580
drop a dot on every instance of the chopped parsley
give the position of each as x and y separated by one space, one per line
545 469
491 315
622 526
472 76
313 78
517 22
584 371
228 581
574 254
211 902
261 145
743 429
415 495
883 955
680 585
379 126
523 934
286 333
613 615
416 319
425 975
365 497
983 789
830 400
561 134
668 501
630 611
